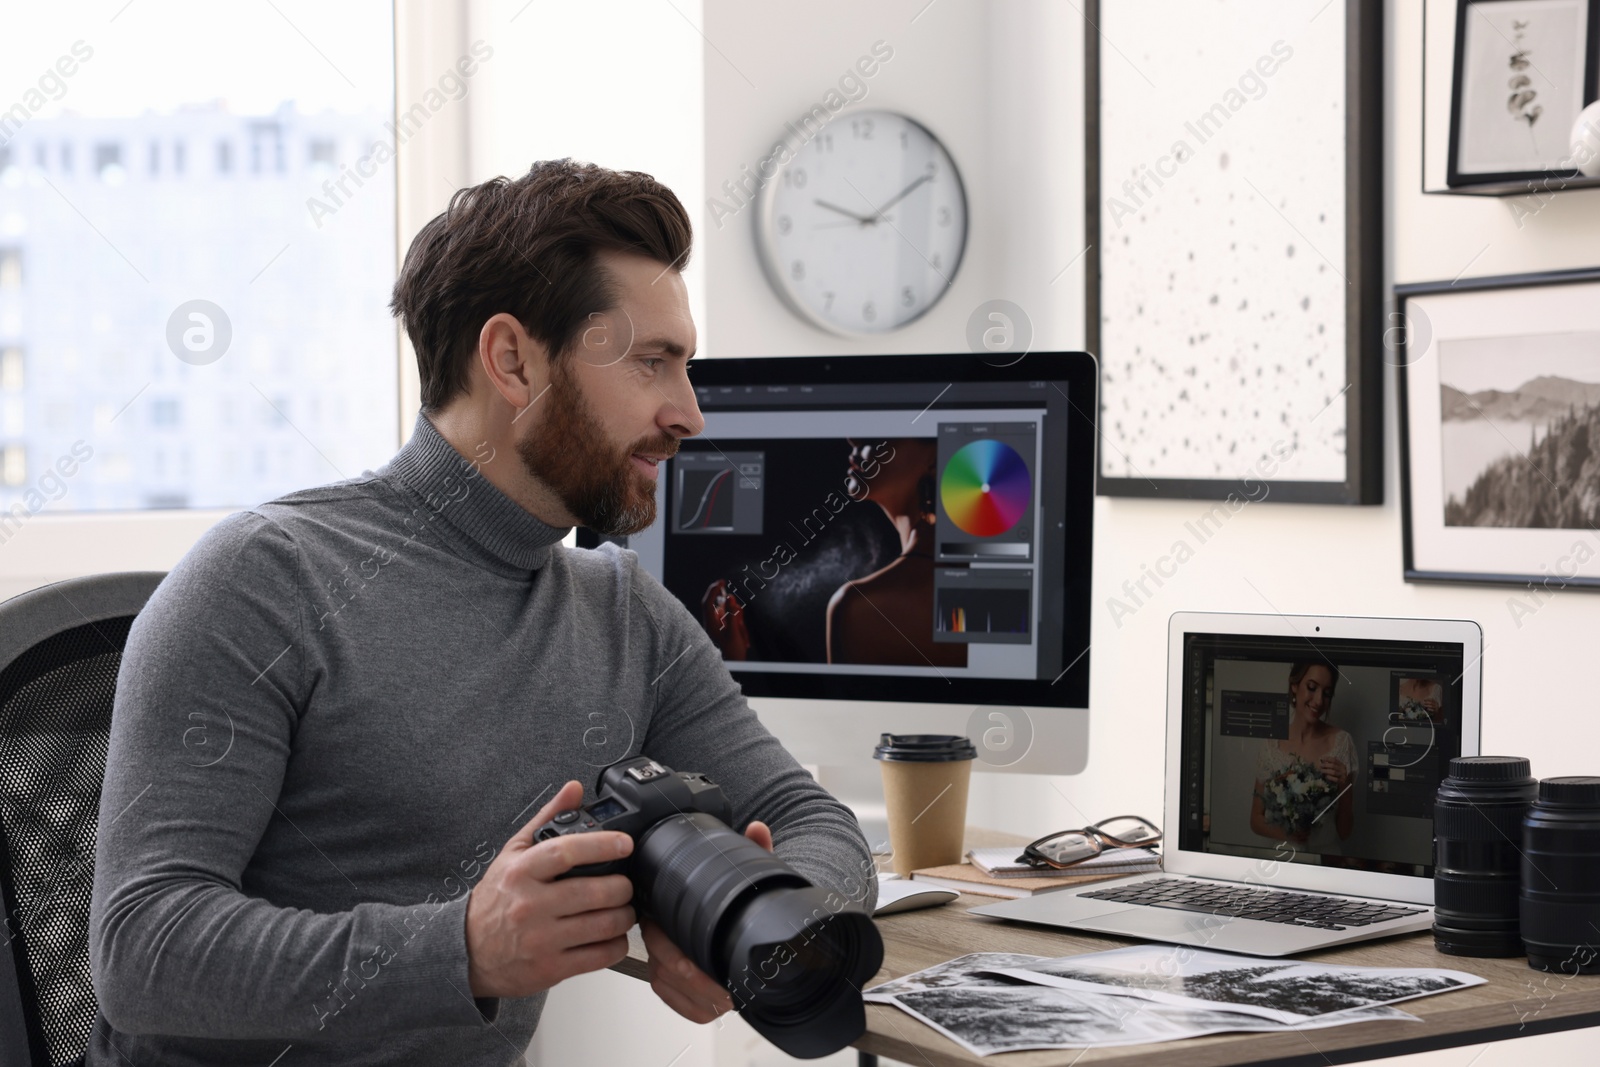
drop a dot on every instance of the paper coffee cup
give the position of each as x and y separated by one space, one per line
925 780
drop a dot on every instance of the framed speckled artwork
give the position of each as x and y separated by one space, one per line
1234 223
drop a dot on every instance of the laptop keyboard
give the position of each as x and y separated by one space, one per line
1243 902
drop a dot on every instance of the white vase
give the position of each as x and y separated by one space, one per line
1586 141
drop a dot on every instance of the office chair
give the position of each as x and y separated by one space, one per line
60 649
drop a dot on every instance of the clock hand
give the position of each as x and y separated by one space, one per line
903 194
863 219
837 225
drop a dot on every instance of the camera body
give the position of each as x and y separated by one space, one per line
632 796
792 956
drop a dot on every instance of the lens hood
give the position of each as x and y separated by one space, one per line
799 962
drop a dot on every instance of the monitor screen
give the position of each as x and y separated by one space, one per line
1334 746
910 528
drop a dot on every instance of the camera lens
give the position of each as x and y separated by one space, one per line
793 956
1561 876
1477 825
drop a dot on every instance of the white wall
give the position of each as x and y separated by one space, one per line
999 84
614 82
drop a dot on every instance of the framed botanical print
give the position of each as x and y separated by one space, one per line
1524 69
1500 429
1234 221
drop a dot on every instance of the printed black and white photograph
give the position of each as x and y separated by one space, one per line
1522 74
1517 415
963 970
1283 991
1500 428
987 1020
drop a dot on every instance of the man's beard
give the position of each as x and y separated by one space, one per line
568 452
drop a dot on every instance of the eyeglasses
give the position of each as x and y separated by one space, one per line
1063 849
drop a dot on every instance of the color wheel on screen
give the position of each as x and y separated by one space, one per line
986 488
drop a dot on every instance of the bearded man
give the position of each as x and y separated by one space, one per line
390 673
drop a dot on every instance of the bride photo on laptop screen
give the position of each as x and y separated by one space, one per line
1303 788
1333 748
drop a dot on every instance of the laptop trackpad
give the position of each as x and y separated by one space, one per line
1159 924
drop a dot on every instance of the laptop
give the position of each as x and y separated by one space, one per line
1263 854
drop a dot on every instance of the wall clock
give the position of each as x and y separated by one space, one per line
861 230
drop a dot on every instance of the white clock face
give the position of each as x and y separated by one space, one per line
862 230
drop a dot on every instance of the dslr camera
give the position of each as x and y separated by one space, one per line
793 963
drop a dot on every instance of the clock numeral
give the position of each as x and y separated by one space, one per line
936 262
825 143
797 270
945 217
795 177
904 140
785 225
907 297
861 129
933 169
868 312
827 301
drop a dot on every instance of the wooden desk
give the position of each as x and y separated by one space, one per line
1516 1001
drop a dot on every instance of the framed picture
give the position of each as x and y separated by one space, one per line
1500 430
1524 69
1234 225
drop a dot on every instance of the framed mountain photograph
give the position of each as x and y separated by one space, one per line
1500 429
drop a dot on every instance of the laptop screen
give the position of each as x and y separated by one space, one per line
1332 747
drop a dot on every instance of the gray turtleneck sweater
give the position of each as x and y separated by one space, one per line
331 716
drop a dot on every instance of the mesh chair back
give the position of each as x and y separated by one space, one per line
60 650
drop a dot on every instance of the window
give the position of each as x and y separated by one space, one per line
266 147
14 465
164 411
108 163
220 307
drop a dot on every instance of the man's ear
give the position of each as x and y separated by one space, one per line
516 366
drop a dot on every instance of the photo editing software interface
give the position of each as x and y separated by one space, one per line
1331 747
863 531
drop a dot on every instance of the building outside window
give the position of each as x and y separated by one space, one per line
156 312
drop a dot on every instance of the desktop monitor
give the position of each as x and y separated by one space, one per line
892 543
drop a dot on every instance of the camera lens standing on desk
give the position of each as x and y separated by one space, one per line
1561 876
1477 823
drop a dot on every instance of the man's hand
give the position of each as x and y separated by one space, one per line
685 988
525 930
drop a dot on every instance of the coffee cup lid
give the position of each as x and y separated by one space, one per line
925 748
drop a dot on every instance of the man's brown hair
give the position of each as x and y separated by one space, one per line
528 248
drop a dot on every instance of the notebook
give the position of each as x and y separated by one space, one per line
966 878
1270 850
1007 863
